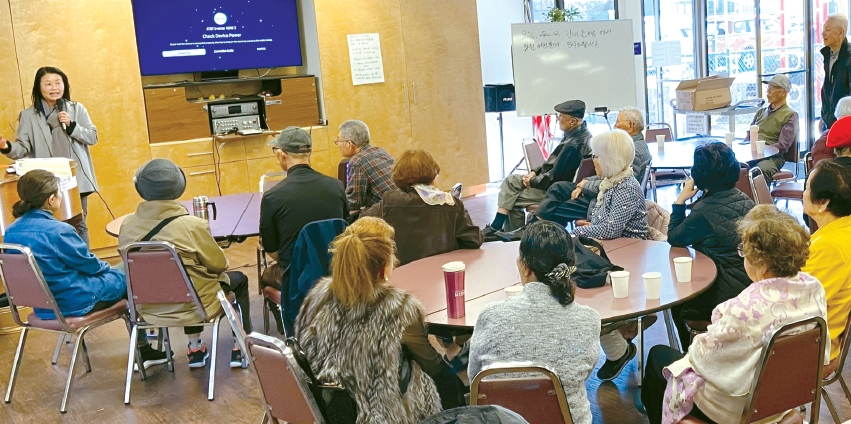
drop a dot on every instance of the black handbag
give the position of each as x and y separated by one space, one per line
592 268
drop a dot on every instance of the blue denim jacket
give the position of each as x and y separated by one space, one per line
76 277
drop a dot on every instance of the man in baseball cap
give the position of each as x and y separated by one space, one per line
302 197
778 125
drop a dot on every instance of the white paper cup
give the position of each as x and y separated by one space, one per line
760 146
513 291
754 136
682 266
660 141
728 138
620 283
652 285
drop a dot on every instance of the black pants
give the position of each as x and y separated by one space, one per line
697 309
653 387
239 287
558 207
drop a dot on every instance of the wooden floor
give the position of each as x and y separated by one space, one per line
180 397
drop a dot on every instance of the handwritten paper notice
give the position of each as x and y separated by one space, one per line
666 53
365 59
696 123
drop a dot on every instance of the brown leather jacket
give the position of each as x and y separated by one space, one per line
425 230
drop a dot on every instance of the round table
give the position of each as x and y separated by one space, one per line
680 154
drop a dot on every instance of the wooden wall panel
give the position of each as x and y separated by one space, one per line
171 117
94 43
382 106
298 105
11 90
447 103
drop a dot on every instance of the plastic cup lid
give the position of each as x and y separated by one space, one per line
454 266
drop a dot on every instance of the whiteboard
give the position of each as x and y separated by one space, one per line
592 61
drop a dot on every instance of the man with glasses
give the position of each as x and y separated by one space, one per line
301 198
369 169
778 126
837 67
520 191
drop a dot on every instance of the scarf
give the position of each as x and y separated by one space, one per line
433 196
612 181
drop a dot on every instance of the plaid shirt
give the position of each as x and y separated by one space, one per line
368 177
622 213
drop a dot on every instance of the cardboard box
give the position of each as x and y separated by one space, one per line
704 93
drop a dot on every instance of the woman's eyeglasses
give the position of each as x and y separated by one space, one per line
741 249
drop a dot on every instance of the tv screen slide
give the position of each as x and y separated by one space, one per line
183 36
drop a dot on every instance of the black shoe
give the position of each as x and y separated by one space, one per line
490 234
511 235
611 369
151 356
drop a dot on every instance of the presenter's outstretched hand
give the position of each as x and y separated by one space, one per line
65 118
3 143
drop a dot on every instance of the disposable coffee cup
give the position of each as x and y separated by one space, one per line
620 283
754 136
511 291
652 285
660 141
682 266
728 138
760 146
453 279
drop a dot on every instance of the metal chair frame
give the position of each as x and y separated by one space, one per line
793 154
137 322
837 375
755 177
234 318
60 318
522 367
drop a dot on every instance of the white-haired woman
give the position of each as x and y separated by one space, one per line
620 209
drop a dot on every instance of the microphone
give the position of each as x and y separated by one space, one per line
60 106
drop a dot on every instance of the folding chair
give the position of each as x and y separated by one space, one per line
585 170
343 171
793 190
663 177
234 318
286 394
788 374
792 155
645 177
25 286
658 128
744 182
539 399
759 187
267 181
533 155
835 374
455 191
155 275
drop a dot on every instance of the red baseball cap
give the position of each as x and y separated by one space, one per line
840 134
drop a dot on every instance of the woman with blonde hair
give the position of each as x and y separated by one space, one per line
358 331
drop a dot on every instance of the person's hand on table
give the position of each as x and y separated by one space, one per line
582 223
688 191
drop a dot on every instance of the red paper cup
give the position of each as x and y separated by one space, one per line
453 278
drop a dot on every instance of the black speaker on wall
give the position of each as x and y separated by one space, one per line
499 98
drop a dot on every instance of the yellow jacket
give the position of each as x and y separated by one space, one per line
830 263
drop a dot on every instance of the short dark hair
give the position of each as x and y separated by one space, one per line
715 167
546 249
830 182
36 94
414 167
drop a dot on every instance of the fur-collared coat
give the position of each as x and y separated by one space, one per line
360 348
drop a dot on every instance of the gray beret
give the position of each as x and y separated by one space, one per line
572 107
160 179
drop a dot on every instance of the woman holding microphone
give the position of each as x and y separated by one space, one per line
57 127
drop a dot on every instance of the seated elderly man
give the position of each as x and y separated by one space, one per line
369 169
520 191
778 125
568 201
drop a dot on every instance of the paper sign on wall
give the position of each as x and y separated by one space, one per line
365 59
666 53
696 123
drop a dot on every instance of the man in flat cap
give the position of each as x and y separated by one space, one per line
520 191
301 198
778 125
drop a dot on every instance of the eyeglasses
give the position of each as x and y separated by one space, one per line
741 249
275 149
338 141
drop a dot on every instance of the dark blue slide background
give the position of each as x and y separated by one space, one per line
161 23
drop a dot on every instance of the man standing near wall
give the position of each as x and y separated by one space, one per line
837 67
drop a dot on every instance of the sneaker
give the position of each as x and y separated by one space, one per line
151 356
197 357
490 234
236 359
611 369
508 236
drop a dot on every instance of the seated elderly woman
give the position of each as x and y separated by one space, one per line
711 381
427 221
356 330
827 201
711 229
543 324
620 210
80 282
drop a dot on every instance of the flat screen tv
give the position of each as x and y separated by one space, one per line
183 36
